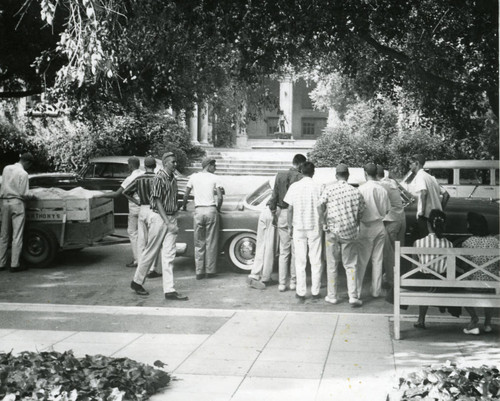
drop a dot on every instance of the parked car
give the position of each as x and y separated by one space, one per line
238 219
101 174
463 178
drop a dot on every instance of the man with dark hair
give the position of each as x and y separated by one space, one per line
430 195
133 209
279 208
205 218
372 231
304 227
13 193
342 207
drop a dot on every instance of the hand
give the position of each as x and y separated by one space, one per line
290 232
275 220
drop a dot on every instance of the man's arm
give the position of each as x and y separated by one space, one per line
112 195
290 220
445 197
422 199
186 197
161 211
129 191
220 198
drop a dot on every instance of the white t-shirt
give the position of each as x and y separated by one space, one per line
425 181
203 185
376 200
303 196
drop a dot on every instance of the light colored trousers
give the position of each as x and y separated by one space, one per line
395 232
343 251
302 239
13 218
287 252
161 238
265 248
206 235
133 227
142 235
371 246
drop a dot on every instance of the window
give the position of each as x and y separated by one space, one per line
120 170
312 127
475 177
444 176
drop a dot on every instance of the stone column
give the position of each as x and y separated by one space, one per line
193 125
286 102
203 124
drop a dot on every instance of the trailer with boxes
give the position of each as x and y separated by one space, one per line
64 220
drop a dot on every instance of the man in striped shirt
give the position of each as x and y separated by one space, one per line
162 234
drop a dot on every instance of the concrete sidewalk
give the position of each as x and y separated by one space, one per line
216 354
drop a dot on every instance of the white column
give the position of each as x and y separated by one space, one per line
193 125
203 121
241 126
286 101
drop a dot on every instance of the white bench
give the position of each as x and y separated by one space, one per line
451 279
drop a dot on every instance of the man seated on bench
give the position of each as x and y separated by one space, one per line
435 239
481 238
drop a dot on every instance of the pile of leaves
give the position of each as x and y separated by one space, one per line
63 377
449 382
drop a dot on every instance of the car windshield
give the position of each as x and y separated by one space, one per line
261 194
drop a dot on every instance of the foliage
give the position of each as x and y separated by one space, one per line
54 375
449 382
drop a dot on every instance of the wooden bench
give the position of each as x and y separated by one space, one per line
406 284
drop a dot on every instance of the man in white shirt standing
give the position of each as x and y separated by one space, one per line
206 219
430 195
372 231
304 227
14 190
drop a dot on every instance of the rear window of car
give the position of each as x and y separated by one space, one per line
475 177
444 176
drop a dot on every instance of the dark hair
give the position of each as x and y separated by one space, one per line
477 224
299 159
308 169
380 171
437 220
371 169
134 162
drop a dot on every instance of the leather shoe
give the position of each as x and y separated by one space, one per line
18 269
153 274
3 268
139 289
131 264
317 296
200 276
301 298
175 296
211 275
270 283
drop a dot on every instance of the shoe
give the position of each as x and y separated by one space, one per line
282 288
211 275
139 289
200 276
3 268
488 328
386 285
317 296
259 285
332 301
153 274
419 325
301 298
175 296
474 331
270 283
293 286
355 303
131 264
18 269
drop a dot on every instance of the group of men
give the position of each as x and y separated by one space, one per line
349 225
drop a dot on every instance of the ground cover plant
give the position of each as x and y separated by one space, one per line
63 377
449 382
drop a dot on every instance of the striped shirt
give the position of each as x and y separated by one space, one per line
165 191
432 241
303 196
141 186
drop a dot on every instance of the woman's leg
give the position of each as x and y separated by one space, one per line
422 312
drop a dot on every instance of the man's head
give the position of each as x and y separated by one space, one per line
149 163
417 162
371 170
169 162
342 172
298 160
208 164
26 160
308 169
380 172
133 163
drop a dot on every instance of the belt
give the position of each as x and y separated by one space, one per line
205 206
168 214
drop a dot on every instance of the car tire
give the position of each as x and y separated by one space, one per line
39 247
240 252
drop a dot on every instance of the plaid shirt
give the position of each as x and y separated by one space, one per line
165 191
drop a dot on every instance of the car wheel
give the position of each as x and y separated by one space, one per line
39 247
240 251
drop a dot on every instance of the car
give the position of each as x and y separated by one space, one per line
239 218
101 174
463 178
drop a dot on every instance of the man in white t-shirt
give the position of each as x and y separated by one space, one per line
430 195
207 202
133 209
